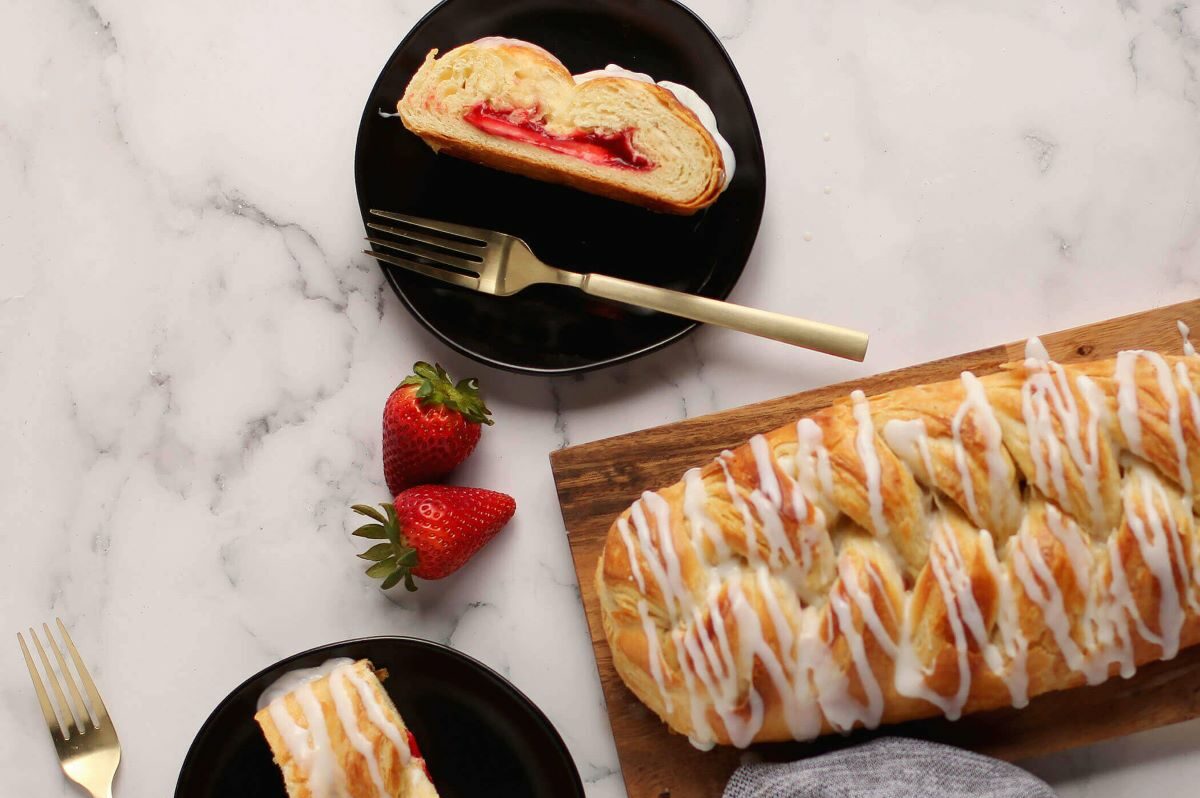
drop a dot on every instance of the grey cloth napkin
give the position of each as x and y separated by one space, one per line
889 767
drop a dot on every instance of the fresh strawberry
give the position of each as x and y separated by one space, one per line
430 425
431 531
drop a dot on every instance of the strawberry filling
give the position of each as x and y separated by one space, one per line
604 149
416 753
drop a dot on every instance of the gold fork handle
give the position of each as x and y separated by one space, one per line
815 335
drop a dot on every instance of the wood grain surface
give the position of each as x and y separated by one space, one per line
596 481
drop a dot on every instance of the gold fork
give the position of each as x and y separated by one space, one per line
86 742
496 263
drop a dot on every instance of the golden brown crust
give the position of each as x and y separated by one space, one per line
424 115
836 573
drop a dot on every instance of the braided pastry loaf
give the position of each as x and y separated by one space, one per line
944 548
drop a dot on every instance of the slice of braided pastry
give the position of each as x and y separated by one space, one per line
945 548
513 106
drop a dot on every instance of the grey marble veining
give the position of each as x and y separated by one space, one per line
193 358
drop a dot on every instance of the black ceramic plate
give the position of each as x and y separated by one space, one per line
548 329
479 735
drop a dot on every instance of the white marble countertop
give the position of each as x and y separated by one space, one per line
193 358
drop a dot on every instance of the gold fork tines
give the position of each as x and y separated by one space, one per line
83 735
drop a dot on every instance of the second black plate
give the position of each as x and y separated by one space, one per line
478 734
547 329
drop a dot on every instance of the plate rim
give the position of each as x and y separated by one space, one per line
690 327
420 642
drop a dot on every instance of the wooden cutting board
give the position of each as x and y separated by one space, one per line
596 481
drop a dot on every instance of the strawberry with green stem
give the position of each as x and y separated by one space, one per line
430 425
430 531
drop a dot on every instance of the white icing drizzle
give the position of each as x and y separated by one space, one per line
1113 624
295 737
1174 419
1188 486
653 653
1046 395
695 501
1186 478
780 551
910 675
868 714
1040 427
308 744
1089 466
965 616
719 674
1094 626
768 504
1067 532
1008 621
631 553
810 531
768 482
755 647
666 571
1174 536
1002 500
666 544
813 470
1127 403
960 460
1104 624
959 598
1155 548
377 716
749 527
1185 332
322 770
862 600
294 679
1046 593
345 712
1124 598
1127 400
800 707
830 683
909 440
688 98
864 444
702 738
1036 350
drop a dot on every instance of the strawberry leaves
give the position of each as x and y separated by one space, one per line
434 386
393 560
378 552
369 512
